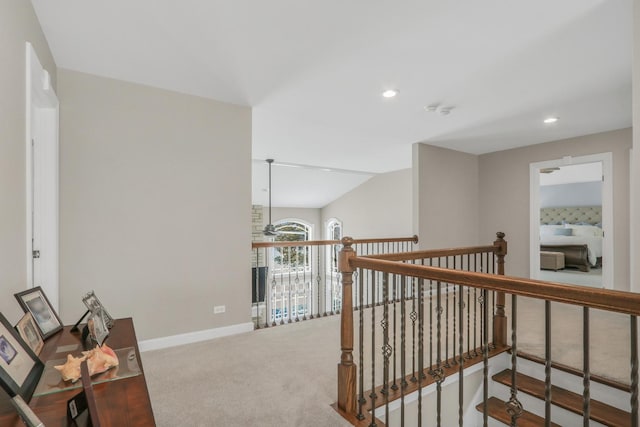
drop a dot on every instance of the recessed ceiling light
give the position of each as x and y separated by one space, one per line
549 120
389 93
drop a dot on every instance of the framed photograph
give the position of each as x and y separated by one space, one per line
20 368
28 331
97 326
93 304
34 301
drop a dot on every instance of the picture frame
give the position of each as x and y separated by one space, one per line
93 304
28 331
35 301
97 326
20 367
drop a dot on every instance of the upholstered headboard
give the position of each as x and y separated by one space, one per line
571 214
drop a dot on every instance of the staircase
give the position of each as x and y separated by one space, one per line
609 404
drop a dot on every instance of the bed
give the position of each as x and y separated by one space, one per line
576 231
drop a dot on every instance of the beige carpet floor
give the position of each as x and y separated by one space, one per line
281 376
286 375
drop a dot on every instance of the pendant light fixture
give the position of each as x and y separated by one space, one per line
270 230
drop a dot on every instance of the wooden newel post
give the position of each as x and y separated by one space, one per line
500 318
346 367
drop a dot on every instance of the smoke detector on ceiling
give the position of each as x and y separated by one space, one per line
440 109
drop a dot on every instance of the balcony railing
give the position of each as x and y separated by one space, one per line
295 281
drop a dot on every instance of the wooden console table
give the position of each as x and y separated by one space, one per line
121 403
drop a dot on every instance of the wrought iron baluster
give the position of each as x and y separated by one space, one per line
438 374
420 347
282 288
446 323
394 386
485 359
460 351
430 322
403 352
361 398
319 283
468 356
492 295
296 282
413 316
454 360
289 311
586 374
373 394
547 363
514 407
274 302
475 311
634 370
267 292
257 289
367 284
312 280
332 294
305 293
386 348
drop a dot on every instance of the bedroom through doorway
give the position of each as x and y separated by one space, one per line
571 211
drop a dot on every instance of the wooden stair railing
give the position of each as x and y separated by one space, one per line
413 273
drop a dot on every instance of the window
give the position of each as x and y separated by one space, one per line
294 258
334 232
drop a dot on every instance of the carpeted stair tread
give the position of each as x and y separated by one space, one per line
498 411
600 412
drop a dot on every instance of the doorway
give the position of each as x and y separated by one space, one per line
580 190
42 112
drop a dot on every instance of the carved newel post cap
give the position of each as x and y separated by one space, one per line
500 235
347 241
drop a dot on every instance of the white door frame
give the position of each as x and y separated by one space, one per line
607 211
42 113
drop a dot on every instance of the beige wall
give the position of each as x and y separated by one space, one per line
18 24
446 197
380 207
155 205
635 208
504 190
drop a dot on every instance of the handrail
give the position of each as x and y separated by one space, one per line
389 274
433 253
610 300
255 245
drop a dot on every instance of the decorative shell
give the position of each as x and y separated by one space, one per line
99 360
70 371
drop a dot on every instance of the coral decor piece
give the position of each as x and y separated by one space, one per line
99 359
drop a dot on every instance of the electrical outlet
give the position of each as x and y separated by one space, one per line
219 309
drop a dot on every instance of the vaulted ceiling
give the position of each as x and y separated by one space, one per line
313 72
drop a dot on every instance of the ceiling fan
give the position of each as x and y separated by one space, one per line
549 170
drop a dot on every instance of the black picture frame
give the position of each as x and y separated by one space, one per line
35 301
20 368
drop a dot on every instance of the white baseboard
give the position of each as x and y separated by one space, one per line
191 337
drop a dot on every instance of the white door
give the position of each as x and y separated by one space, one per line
42 179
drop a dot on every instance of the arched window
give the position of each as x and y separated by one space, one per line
334 229
334 232
293 258
292 230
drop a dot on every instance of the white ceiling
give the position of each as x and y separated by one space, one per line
313 71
